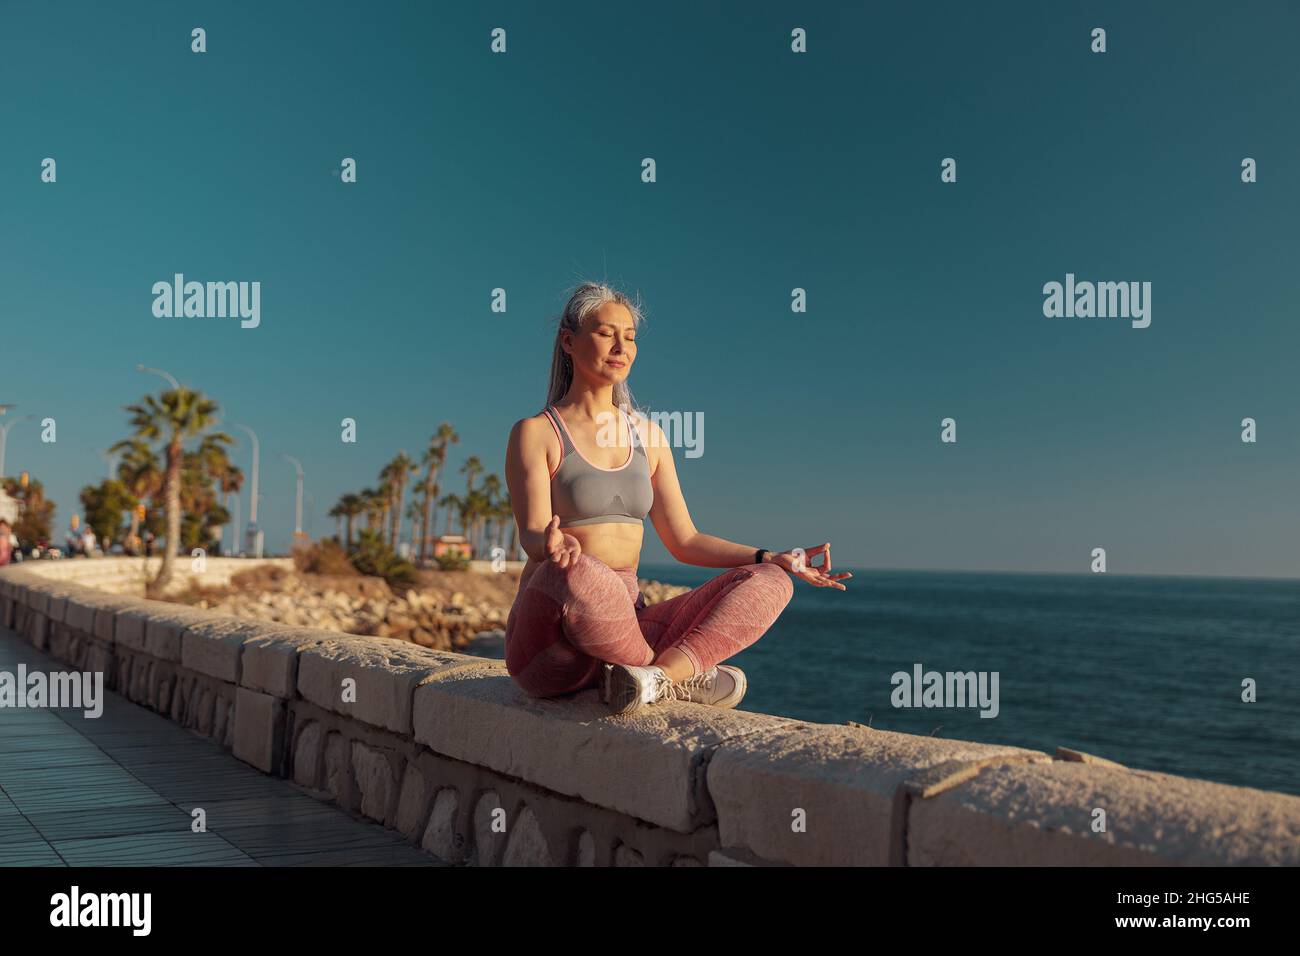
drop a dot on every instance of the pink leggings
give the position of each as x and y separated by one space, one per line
566 621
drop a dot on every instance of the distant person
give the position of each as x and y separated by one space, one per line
88 542
580 500
6 543
148 544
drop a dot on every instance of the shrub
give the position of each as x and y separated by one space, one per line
454 560
372 556
323 557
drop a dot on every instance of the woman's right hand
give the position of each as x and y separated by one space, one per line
561 548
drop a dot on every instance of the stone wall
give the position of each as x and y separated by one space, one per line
445 749
129 575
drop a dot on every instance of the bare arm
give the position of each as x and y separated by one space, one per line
686 543
672 519
528 476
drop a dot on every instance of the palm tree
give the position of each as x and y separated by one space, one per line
415 512
468 507
231 482
178 414
374 506
219 469
453 505
471 470
435 456
506 513
337 514
138 470
395 475
349 507
491 508
201 513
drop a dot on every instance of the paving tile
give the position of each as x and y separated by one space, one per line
396 856
117 791
32 853
149 849
56 825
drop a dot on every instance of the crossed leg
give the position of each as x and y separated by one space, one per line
565 622
719 618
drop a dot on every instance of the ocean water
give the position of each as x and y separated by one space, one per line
1146 671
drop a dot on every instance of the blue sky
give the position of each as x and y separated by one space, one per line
775 171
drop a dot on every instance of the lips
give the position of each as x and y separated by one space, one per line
616 364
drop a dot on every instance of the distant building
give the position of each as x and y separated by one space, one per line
448 543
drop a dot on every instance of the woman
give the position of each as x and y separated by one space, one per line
580 498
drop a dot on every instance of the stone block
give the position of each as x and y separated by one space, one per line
649 765
259 729
270 660
213 646
386 673
1042 815
825 795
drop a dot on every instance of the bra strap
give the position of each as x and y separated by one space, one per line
566 446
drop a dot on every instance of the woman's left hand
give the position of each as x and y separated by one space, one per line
798 561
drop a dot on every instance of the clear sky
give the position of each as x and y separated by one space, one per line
775 171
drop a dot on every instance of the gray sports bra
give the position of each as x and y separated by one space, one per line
582 493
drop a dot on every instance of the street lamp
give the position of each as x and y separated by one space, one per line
310 504
4 435
254 533
176 386
234 543
297 514
109 458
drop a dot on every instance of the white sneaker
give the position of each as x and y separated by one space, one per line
713 688
627 688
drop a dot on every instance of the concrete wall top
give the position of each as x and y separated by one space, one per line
777 790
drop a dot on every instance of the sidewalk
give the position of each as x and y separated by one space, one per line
118 790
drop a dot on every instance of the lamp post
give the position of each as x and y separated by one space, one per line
176 386
254 533
234 543
4 435
297 513
109 458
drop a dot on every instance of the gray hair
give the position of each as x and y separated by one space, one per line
586 299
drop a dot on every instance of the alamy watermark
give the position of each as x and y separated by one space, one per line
679 430
78 690
76 909
946 689
208 300
1101 300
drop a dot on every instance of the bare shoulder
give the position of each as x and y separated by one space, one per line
533 433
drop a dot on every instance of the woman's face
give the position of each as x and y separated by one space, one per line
605 348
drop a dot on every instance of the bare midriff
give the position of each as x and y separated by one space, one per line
615 544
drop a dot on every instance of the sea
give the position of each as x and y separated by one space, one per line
1146 671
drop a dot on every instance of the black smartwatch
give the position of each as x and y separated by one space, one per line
758 555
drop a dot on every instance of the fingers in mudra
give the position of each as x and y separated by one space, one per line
562 548
825 566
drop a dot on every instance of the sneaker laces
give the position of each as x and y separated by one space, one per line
704 681
668 690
